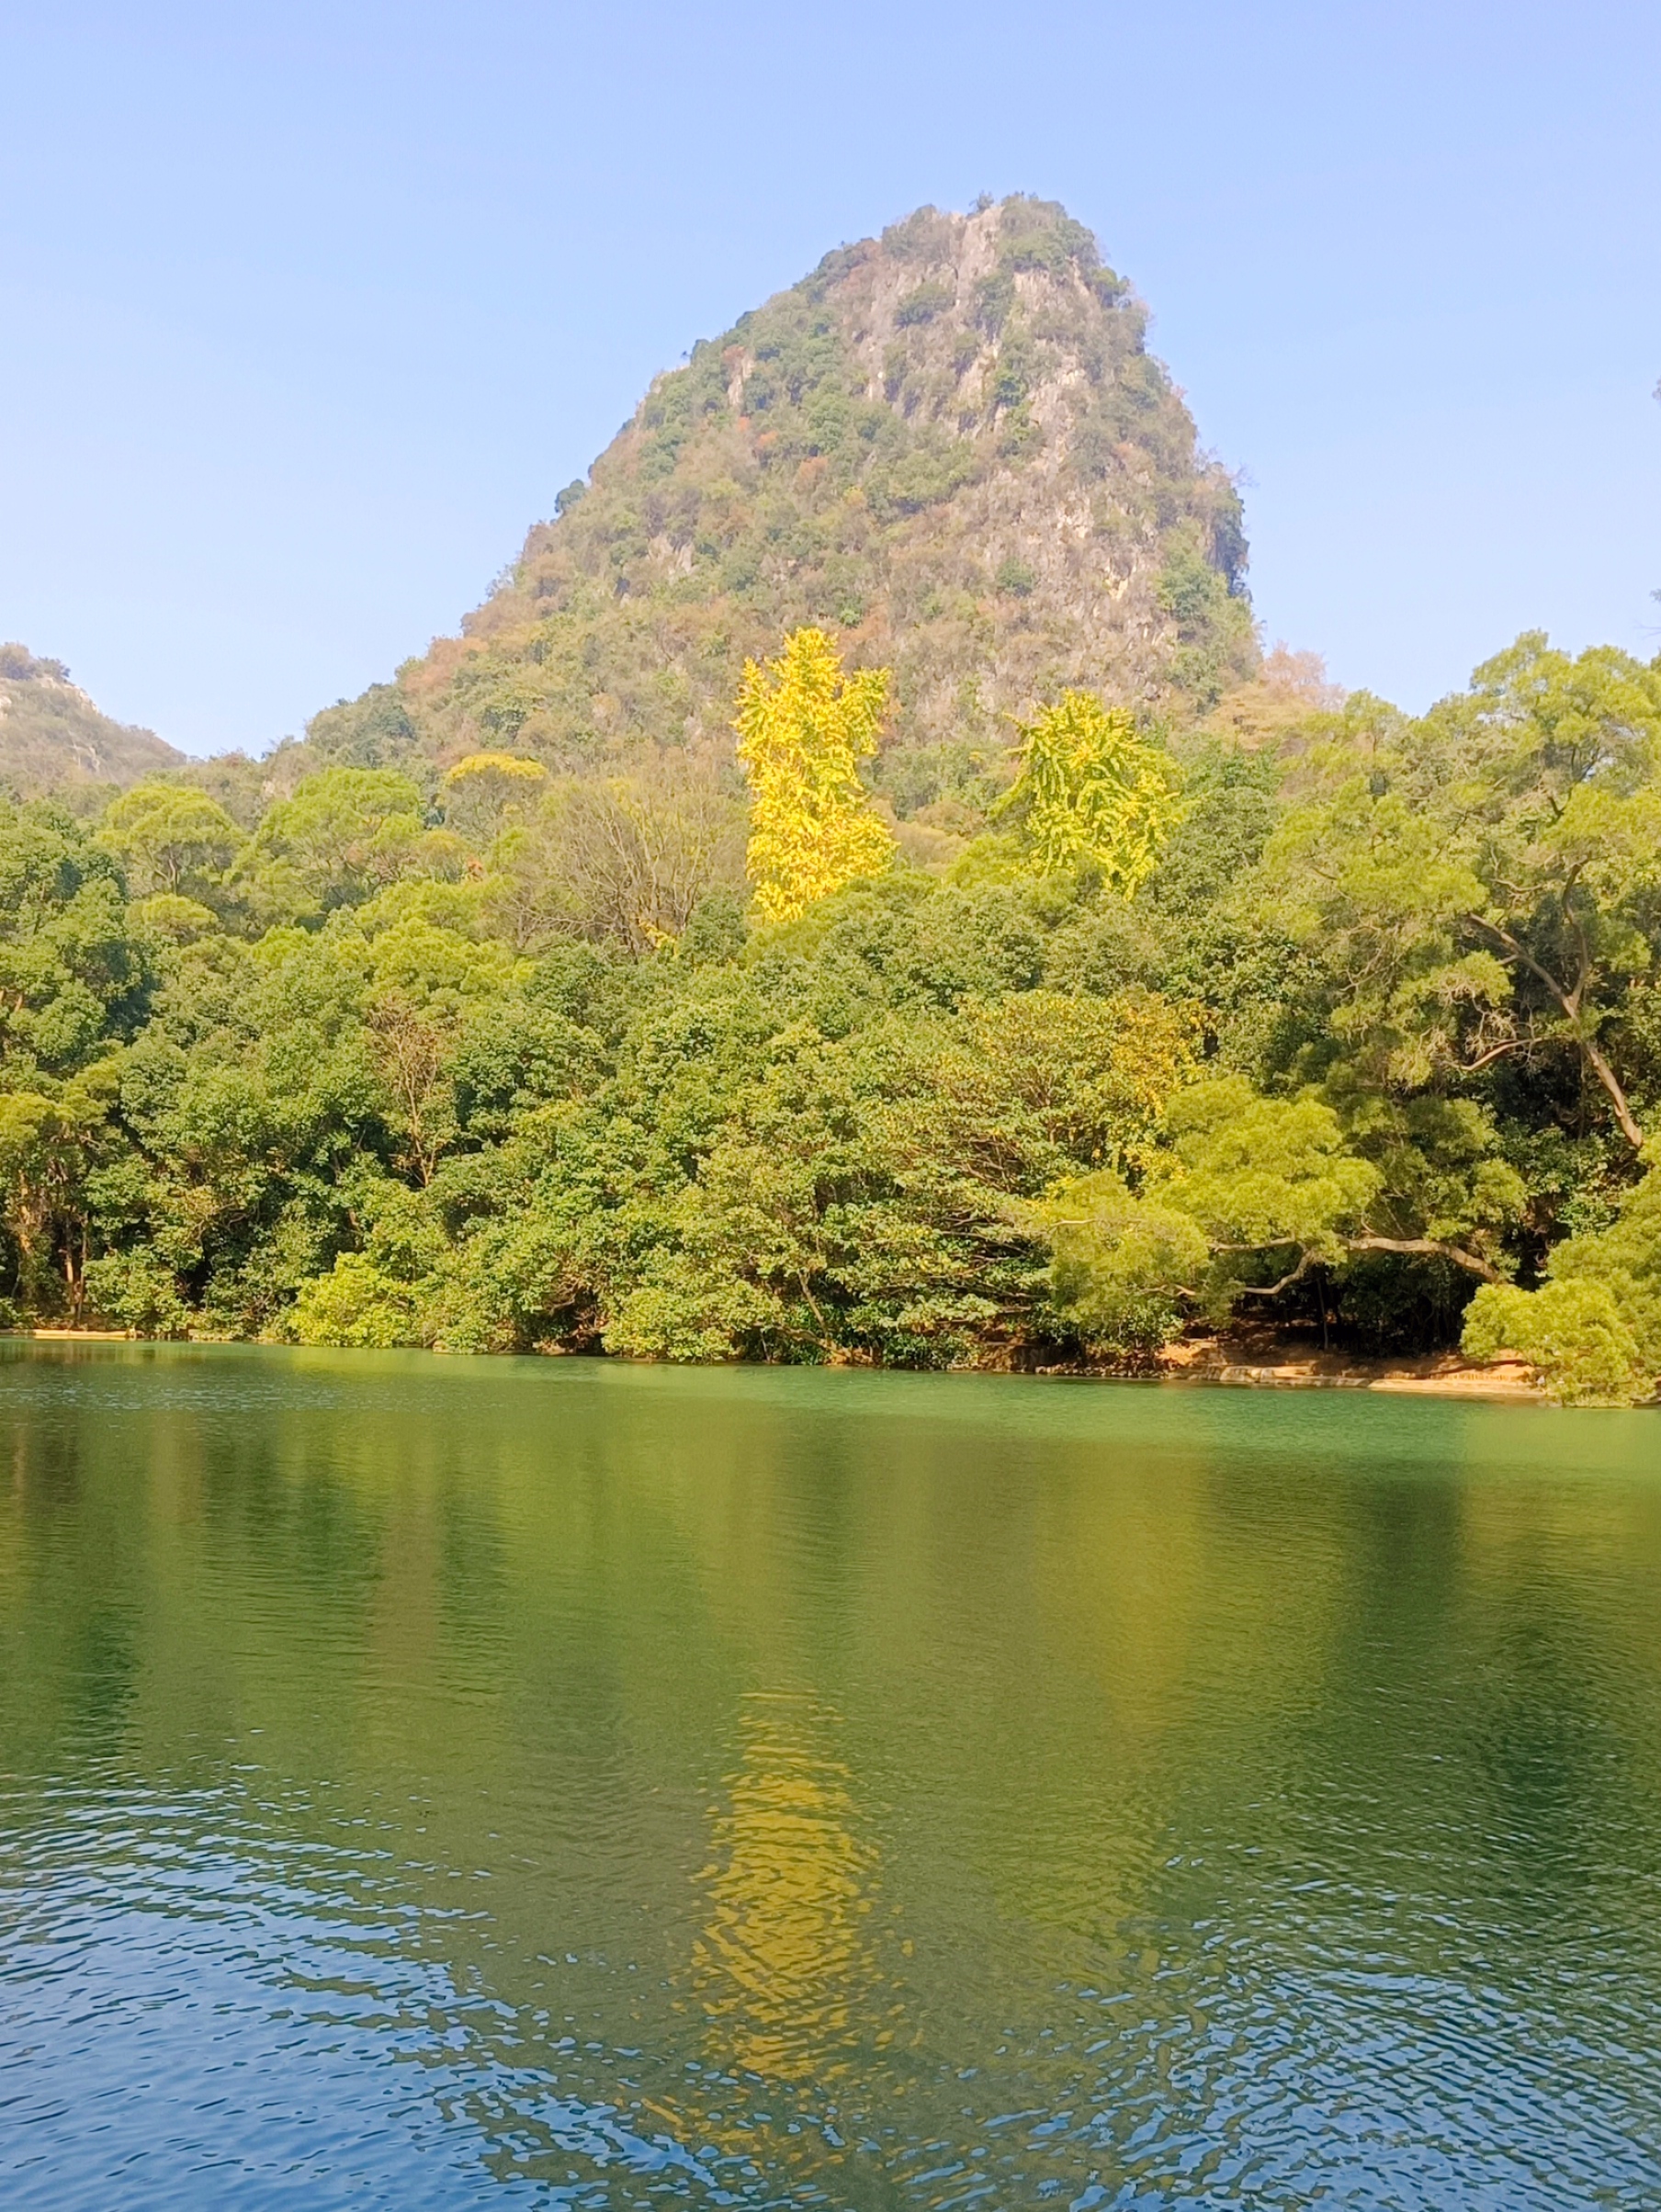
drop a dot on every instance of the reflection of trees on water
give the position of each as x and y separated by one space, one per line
1113 1763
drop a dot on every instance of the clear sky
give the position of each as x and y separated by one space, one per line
309 310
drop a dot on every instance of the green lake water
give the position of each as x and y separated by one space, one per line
474 1783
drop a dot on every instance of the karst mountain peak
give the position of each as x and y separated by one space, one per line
949 444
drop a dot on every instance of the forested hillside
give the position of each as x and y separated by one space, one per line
855 892
1336 1028
949 443
53 739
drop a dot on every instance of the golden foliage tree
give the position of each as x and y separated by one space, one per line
482 789
1093 792
804 727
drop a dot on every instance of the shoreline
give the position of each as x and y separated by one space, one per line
1257 1364
1281 1366
1230 1363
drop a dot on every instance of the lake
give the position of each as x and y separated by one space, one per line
560 1783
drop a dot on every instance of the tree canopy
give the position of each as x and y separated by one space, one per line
1322 1013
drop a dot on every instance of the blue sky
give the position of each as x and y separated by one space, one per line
310 311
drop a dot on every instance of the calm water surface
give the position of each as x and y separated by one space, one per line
461 1784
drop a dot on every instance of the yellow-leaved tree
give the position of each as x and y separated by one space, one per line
1093 792
804 727
482 790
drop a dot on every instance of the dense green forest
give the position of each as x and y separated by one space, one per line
856 892
512 1062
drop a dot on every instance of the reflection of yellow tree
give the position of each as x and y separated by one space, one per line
783 1966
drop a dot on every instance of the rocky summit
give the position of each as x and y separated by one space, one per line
53 739
950 445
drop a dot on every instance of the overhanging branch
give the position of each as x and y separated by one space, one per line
1570 1003
1273 1289
1426 1247
1411 1247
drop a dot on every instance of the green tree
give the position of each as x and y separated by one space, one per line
345 833
171 841
1483 883
1265 1185
1574 1334
1593 1329
49 1142
73 975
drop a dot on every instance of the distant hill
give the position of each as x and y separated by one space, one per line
53 739
950 445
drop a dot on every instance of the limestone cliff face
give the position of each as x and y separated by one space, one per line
949 444
53 739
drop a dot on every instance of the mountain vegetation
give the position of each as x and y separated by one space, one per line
53 739
950 445
1342 1030
856 892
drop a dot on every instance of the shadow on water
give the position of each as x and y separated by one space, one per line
448 1783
